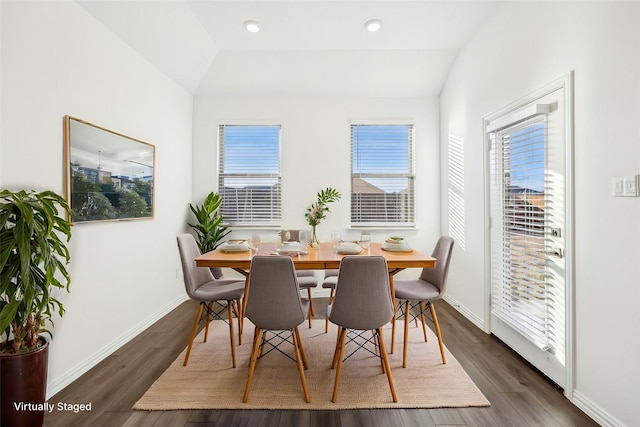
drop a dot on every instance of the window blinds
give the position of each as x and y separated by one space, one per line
249 174
522 292
382 175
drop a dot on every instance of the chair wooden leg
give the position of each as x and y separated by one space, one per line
193 333
393 327
240 319
424 325
326 318
385 357
236 307
406 334
336 352
376 343
264 339
255 338
302 353
252 364
437 326
233 344
341 340
300 361
243 305
311 313
208 320
393 319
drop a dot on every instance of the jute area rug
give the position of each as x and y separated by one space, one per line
210 382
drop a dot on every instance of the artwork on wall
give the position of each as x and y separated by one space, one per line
109 176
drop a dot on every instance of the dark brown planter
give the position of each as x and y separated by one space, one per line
23 387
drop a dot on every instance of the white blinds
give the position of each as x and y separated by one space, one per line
249 174
522 291
382 175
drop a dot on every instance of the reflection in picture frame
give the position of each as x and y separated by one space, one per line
109 176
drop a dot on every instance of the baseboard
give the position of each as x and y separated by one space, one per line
598 414
70 376
465 312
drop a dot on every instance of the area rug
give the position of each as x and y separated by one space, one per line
210 382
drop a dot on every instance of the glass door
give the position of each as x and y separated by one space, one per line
528 232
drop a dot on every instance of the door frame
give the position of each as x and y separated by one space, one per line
566 84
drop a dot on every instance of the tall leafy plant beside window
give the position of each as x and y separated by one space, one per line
209 227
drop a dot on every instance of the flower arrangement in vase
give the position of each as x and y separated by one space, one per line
318 211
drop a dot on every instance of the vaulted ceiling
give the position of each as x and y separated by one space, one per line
303 47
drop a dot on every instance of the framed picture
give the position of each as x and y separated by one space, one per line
109 176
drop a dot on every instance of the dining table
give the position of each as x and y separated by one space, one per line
322 257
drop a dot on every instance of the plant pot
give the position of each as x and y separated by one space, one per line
23 387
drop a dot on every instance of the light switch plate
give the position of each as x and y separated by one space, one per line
630 186
618 186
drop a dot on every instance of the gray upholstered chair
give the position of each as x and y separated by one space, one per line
274 305
217 272
201 286
329 282
422 291
362 303
306 278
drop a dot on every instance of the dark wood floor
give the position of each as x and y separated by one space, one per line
519 395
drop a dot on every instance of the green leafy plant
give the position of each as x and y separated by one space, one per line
33 255
209 228
318 211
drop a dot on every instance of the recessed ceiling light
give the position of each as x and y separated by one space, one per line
373 25
252 26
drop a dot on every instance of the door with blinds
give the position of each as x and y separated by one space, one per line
528 229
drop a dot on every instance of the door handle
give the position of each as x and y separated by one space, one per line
555 252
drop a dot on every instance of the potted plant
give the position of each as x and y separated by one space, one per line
209 227
33 256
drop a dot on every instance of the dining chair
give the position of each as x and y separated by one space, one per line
217 272
362 303
274 305
306 278
202 287
421 292
329 282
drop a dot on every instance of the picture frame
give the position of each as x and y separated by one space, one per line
109 176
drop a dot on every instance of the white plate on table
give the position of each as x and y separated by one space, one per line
235 246
396 247
291 249
349 249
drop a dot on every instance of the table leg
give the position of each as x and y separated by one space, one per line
243 305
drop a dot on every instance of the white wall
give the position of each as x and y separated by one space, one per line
316 153
57 60
526 45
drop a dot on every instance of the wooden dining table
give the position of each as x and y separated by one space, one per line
321 258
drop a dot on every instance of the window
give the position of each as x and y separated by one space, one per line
382 175
520 267
250 178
